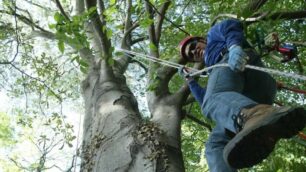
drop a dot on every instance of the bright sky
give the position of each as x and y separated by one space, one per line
4 101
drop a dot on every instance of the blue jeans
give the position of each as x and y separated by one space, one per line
227 93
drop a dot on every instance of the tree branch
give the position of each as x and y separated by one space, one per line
254 5
37 79
23 19
160 19
196 120
286 15
151 28
127 34
38 5
126 42
128 27
17 40
79 6
182 94
173 24
60 7
18 164
141 65
265 16
135 41
43 34
97 25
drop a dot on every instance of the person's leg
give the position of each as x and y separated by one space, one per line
224 99
214 151
263 124
259 86
228 94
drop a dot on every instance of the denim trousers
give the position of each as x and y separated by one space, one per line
227 93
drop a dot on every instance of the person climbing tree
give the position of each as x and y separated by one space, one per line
239 100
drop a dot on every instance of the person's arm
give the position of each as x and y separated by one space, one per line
228 31
197 91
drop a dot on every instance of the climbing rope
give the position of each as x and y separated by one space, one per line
267 70
156 60
195 72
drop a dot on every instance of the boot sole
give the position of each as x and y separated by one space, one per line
251 146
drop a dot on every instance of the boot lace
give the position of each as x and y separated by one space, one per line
239 120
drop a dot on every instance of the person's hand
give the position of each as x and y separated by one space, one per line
237 58
184 73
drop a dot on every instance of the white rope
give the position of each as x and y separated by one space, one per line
157 60
171 64
198 72
271 71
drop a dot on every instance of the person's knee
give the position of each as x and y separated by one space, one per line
211 147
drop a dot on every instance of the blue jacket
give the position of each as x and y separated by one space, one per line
220 36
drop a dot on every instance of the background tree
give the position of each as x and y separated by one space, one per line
116 135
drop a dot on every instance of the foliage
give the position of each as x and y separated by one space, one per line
6 131
193 141
39 139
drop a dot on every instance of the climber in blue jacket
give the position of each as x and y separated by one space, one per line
239 100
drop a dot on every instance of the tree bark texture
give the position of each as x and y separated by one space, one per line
116 139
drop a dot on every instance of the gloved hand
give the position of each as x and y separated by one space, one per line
184 73
237 58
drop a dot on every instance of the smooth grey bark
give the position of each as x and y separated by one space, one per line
111 119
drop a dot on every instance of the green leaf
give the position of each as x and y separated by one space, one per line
119 53
6 130
59 18
75 58
92 11
83 63
83 69
61 46
52 26
112 2
109 33
152 46
70 145
110 61
145 22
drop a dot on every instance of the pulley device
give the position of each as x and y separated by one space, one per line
271 43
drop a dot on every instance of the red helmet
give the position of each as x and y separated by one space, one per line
183 44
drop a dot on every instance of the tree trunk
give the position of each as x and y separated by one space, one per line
116 139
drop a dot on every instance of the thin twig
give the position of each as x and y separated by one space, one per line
37 79
59 5
174 24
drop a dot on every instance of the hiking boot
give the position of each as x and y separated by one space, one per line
260 128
